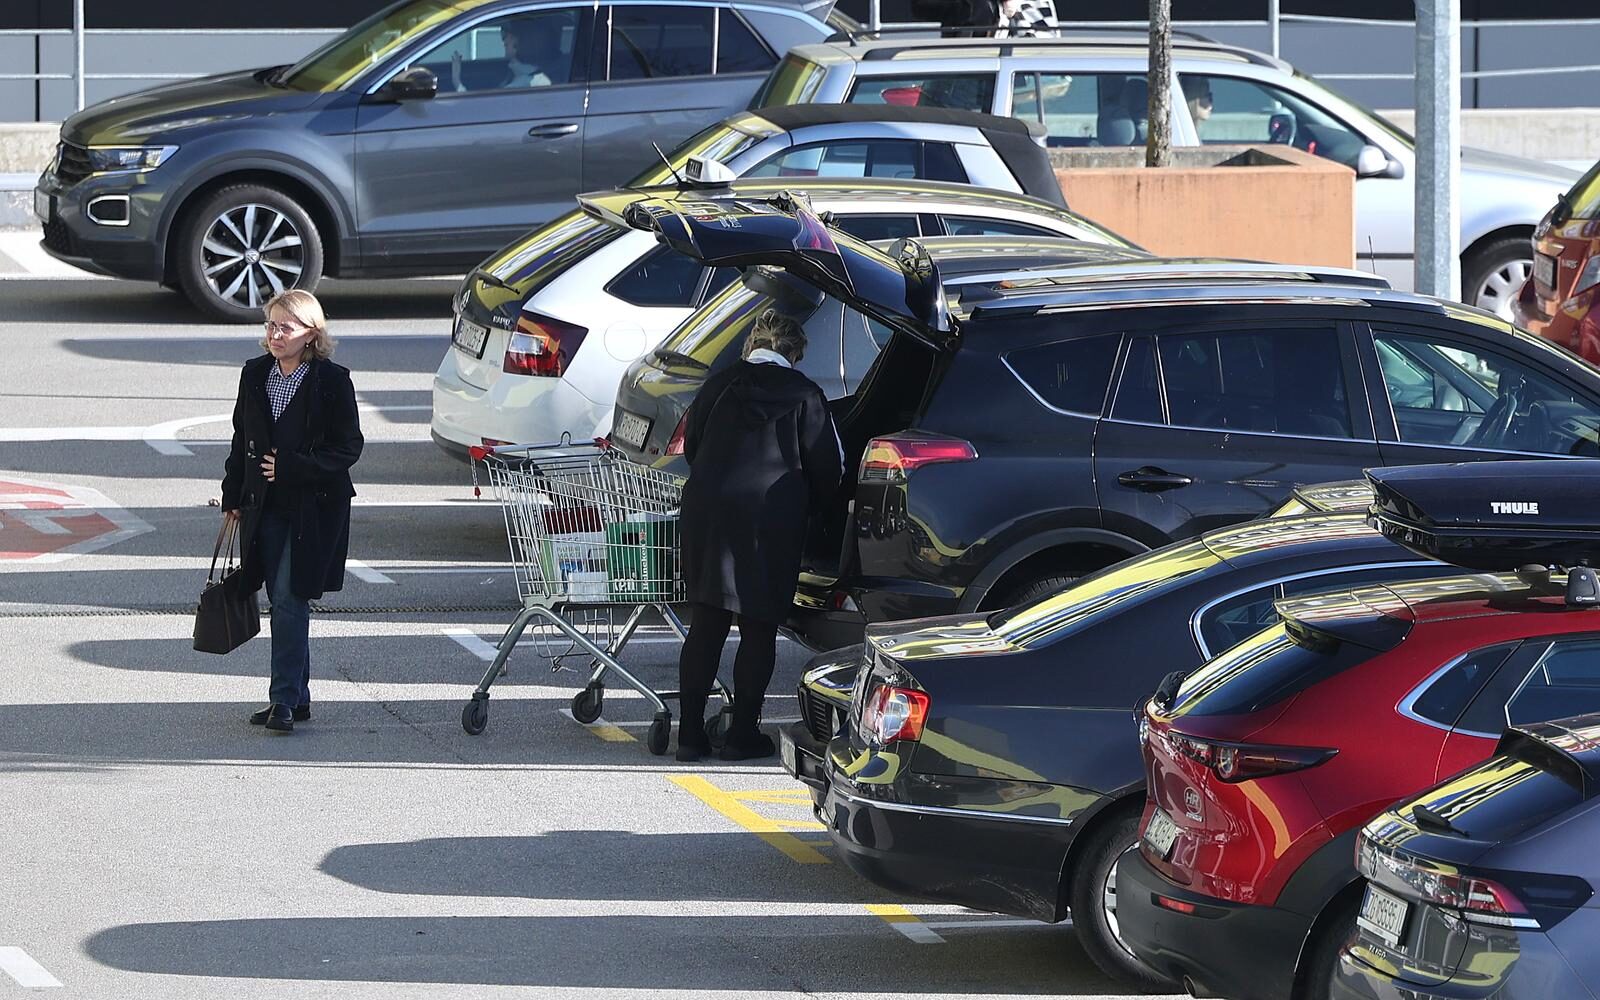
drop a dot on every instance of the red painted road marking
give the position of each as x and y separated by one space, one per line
50 522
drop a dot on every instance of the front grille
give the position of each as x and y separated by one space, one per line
57 238
72 163
818 714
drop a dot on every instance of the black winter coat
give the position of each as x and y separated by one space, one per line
762 454
318 439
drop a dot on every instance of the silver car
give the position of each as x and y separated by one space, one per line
1091 90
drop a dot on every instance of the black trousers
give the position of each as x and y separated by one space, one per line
752 666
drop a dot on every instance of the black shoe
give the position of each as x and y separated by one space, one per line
748 746
301 714
280 719
692 743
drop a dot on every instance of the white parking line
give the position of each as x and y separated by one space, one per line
163 437
475 644
472 642
20 966
366 574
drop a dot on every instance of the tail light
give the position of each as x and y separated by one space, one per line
892 458
1235 762
1509 899
894 713
542 346
675 445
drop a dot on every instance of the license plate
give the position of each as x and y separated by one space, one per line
631 430
1160 834
41 206
470 337
786 753
1384 914
1544 271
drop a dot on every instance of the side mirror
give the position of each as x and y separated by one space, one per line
415 84
1374 162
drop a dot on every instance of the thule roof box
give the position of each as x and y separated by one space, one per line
1493 516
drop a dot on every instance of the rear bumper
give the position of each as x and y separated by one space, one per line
1225 949
515 408
1535 970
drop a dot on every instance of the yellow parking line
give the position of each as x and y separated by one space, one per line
768 830
604 730
786 797
904 921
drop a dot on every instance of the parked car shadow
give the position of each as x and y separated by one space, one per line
137 302
230 348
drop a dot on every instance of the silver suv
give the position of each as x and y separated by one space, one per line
1091 90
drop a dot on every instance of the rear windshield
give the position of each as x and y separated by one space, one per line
1103 594
1499 798
720 142
1265 669
795 81
545 253
1584 198
717 327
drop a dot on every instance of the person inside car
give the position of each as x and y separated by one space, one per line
526 62
763 454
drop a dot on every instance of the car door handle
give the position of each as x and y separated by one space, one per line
552 131
1153 480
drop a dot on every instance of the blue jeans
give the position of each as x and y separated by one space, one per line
291 615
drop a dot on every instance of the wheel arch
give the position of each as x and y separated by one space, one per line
1513 231
1113 807
1059 550
311 192
1319 889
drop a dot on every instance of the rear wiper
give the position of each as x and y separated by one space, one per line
274 77
679 358
1430 820
1167 690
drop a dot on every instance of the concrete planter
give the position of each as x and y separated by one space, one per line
1272 203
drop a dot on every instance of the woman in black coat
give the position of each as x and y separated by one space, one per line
296 433
763 454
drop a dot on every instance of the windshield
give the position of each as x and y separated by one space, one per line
795 81
1388 126
720 142
1584 198
1106 592
370 42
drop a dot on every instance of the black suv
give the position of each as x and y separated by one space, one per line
1022 428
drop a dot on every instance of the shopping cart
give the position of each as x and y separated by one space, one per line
592 535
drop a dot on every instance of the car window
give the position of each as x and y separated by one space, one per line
738 48
1139 391
1071 375
1447 695
514 52
1564 682
1442 393
894 158
940 163
1278 382
962 91
368 43
662 277
1583 198
1084 109
864 340
649 43
1231 110
958 225
879 227
795 81
714 334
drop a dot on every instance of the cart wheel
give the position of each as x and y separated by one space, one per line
717 727
475 715
586 704
660 733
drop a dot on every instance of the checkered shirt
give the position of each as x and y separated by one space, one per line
281 387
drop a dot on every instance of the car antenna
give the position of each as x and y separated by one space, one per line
675 175
1372 254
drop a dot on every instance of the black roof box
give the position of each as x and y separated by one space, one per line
1492 516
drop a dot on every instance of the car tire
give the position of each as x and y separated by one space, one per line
1093 905
1492 277
1322 951
243 244
1028 592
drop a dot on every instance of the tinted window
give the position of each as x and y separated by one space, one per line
1565 682
648 43
864 339
1229 110
1084 109
1263 670
965 92
795 81
539 258
1238 618
961 226
1283 382
1501 797
1071 375
1139 392
1445 394
738 49
879 227
518 51
662 277
714 334
894 158
940 163
1447 696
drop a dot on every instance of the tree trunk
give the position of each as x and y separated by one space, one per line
1158 144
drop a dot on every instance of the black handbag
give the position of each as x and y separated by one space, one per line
228 615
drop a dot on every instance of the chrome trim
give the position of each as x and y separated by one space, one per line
1486 451
904 807
1321 300
1231 430
1407 705
1200 612
127 219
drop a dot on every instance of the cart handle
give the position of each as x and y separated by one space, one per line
480 452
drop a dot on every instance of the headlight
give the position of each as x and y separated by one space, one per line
1590 276
129 157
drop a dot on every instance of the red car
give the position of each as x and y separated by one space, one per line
1263 764
1558 301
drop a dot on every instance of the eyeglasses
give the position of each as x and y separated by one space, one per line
284 329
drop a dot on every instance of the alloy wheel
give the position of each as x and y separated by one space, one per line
1500 287
1108 905
250 253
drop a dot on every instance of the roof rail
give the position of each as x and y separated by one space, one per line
1176 270
987 31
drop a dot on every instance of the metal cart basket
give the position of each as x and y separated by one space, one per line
589 531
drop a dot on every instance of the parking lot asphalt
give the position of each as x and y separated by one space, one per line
156 845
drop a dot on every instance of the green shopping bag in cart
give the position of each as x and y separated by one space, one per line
641 559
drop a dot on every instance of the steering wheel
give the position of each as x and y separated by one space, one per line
1281 129
1496 425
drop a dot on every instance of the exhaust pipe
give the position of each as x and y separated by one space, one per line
1194 989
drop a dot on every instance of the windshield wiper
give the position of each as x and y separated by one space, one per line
274 76
679 358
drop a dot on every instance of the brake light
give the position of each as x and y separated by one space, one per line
894 713
542 346
892 458
1235 762
675 445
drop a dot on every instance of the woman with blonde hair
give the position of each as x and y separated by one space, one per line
296 433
